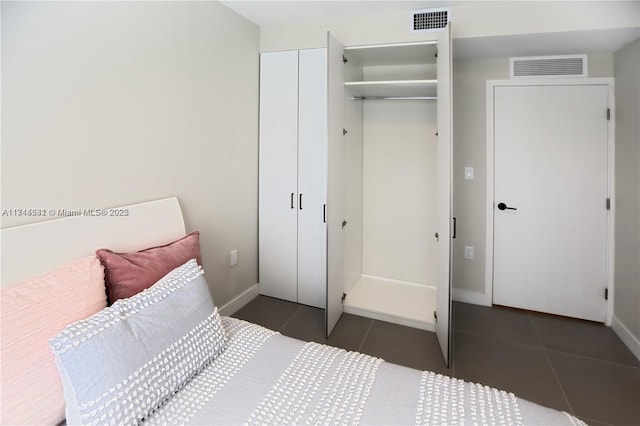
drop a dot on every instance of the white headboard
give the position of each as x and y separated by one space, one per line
35 248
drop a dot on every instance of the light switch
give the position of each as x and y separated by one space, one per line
468 173
233 258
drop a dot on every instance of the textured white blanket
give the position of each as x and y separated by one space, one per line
265 378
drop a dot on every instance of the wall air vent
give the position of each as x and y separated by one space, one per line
429 20
549 66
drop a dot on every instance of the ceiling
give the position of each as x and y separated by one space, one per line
570 42
280 12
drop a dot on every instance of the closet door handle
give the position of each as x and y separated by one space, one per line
300 203
454 227
292 194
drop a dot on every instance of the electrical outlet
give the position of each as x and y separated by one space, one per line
468 252
233 258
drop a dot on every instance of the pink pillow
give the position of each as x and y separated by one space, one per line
129 273
33 311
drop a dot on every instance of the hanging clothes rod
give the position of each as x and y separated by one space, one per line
381 98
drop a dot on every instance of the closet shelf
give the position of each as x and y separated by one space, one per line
393 88
417 53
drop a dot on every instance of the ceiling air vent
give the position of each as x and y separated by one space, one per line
429 20
549 66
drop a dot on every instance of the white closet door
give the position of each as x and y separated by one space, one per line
312 165
443 277
335 181
278 248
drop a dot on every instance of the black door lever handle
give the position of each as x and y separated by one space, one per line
503 206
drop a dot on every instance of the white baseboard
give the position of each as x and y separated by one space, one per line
239 301
390 280
473 297
632 342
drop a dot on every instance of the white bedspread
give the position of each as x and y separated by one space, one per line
263 377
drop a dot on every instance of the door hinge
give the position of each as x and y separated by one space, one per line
606 294
608 114
436 54
435 315
344 296
608 203
344 59
344 132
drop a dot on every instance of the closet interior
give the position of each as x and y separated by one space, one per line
391 182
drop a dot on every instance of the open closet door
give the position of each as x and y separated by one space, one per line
443 279
335 182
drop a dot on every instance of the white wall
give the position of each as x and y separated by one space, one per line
470 150
497 18
113 103
627 233
399 190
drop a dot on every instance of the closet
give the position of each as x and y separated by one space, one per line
292 183
382 142
391 183
397 184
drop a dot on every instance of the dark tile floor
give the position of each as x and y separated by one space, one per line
576 366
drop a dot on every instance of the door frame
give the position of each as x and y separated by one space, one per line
490 205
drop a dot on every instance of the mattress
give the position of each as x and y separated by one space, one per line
263 377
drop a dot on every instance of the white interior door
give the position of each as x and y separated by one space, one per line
335 182
550 241
278 175
443 276
312 184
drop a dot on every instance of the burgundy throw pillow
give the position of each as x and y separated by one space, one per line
127 274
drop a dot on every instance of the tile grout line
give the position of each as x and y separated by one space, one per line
590 358
541 346
290 318
553 370
366 334
486 336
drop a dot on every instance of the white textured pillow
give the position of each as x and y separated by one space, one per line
120 364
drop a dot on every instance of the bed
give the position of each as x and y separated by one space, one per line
164 355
